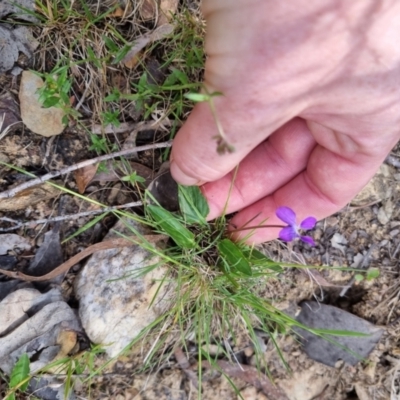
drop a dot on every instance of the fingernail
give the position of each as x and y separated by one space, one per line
181 177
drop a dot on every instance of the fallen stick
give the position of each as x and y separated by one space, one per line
19 224
12 192
64 267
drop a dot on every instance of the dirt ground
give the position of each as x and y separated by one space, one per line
375 301
366 234
363 233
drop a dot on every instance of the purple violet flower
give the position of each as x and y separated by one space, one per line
291 232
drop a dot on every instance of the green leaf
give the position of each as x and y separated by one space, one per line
121 54
133 177
20 372
51 101
175 77
358 277
66 86
92 57
234 256
193 204
255 257
110 44
172 226
114 96
372 273
143 84
197 97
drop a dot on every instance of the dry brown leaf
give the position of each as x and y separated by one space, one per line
148 10
67 340
168 9
117 13
84 176
142 41
134 61
29 197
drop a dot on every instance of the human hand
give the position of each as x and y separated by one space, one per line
311 104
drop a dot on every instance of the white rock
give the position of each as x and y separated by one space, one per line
339 242
13 308
40 323
114 306
385 212
382 217
43 121
10 241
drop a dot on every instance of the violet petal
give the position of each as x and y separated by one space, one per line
287 215
287 234
307 239
308 223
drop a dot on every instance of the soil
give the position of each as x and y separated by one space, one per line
375 300
370 231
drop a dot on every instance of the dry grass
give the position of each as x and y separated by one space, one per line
89 39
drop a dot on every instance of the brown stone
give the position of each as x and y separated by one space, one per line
43 121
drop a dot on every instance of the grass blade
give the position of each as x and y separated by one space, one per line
20 372
193 205
233 255
172 226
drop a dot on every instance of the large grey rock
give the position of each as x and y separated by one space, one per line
350 349
17 7
10 241
114 302
14 41
19 305
47 346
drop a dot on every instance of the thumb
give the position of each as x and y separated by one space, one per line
195 158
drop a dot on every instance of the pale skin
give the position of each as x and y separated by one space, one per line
311 104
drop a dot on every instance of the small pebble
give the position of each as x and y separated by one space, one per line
248 351
394 232
353 237
212 349
383 218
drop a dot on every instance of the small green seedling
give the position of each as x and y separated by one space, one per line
133 178
99 144
111 118
19 378
371 274
56 91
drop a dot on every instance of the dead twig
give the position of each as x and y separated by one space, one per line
19 224
250 375
130 126
64 267
12 192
